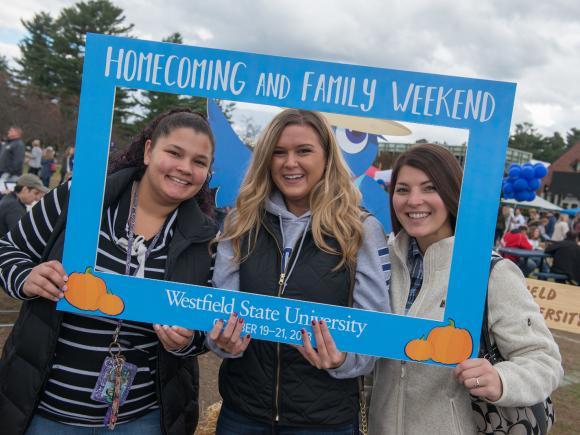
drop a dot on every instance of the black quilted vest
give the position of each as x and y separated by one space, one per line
273 382
27 354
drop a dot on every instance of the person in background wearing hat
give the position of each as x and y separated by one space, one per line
28 190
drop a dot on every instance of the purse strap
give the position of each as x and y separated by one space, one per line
485 341
363 423
492 354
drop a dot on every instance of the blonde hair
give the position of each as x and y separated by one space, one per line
334 200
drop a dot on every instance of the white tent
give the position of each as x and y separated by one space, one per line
384 175
538 202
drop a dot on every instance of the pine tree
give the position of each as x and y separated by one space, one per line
154 103
37 68
53 53
71 27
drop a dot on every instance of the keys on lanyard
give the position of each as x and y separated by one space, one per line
115 380
117 370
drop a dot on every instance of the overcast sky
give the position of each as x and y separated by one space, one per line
535 44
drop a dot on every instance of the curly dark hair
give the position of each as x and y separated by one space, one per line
161 126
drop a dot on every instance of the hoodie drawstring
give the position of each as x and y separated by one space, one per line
287 276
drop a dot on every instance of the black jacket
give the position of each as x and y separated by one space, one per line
272 382
566 258
12 157
27 354
11 210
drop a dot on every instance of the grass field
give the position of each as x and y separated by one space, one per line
566 398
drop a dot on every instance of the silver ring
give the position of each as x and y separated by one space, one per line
477 385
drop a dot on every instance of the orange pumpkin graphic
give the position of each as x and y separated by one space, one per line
84 290
451 345
444 344
111 304
419 349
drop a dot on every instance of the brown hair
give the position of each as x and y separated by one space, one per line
443 170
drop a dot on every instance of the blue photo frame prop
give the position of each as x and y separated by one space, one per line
483 107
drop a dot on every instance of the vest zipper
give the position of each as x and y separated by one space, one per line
277 385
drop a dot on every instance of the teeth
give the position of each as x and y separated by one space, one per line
292 177
177 180
418 215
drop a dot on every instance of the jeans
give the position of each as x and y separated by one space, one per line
233 423
149 424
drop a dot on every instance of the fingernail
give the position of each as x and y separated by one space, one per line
303 331
235 314
64 288
165 327
313 322
248 336
220 320
241 320
60 296
321 322
65 277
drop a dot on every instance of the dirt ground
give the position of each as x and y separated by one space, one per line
566 398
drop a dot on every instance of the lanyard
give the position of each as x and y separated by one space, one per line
130 240
131 234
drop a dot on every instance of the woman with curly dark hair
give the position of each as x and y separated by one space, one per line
156 224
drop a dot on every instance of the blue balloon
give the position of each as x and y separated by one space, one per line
540 170
534 184
530 195
521 195
527 172
508 195
508 188
515 171
520 185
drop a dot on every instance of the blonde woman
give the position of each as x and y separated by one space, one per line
297 232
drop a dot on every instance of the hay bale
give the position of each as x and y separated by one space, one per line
209 419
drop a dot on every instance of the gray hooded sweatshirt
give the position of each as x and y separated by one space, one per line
371 289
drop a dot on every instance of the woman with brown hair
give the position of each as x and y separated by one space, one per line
297 232
156 224
413 398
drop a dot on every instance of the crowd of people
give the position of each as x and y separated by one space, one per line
16 158
546 231
25 175
297 231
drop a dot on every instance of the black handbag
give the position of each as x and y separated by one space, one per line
536 419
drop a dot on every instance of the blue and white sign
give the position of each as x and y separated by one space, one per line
480 106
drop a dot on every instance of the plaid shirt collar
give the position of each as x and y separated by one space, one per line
414 251
415 265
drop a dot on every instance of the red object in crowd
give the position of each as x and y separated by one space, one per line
516 240
371 171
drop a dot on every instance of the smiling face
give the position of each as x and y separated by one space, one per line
177 165
297 165
419 208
